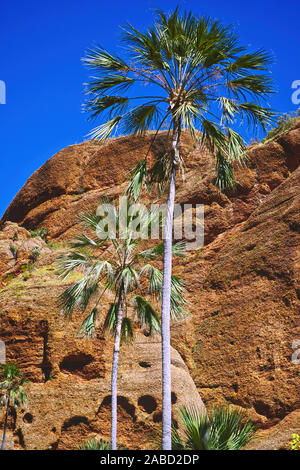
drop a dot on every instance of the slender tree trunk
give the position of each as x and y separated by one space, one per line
114 373
166 296
5 422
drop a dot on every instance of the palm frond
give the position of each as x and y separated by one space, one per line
256 114
137 179
178 249
177 442
258 60
155 277
87 327
102 60
177 300
110 83
129 278
146 314
224 429
78 294
257 86
95 444
82 241
116 105
90 219
159 173
140 119
111 318
225 178
145 47
196 428
234 147
230 430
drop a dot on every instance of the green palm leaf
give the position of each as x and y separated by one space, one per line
127 333
138 177
111 319
88 325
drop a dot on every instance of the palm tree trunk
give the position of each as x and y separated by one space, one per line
5 422
114 373
166 296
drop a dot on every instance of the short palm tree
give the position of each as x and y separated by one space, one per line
224 429
12 387
120 266
98 444
198 77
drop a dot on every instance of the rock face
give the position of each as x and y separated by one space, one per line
244 296
235 346
278 437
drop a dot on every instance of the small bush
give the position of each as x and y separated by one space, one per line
295 442
35 253
26 270
26 276
284 123
41 232
98 444
14 249
27 267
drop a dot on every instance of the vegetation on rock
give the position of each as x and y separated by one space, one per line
295 442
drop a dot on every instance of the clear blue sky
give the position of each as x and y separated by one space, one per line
41 46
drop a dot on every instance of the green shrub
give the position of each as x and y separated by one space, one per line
98 444
14 249
35 253
41 232
284 123
223 429
77 193
27 267
26 276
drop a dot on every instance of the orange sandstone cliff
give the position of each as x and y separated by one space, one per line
234 347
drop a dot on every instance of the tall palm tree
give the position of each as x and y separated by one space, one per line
120 266
224 429
13 391
198 77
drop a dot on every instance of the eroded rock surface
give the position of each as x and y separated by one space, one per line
235 346
69 390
